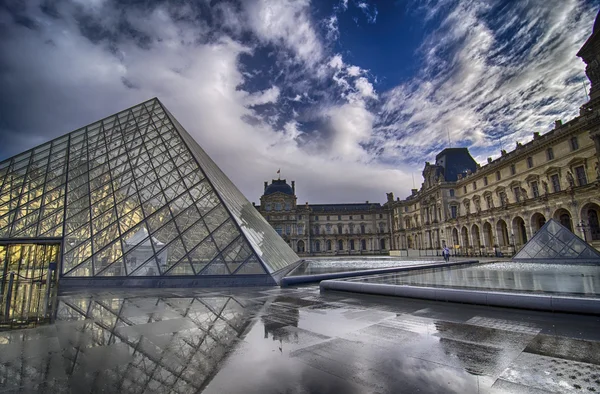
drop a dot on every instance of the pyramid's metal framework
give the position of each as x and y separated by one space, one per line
134 200
555 243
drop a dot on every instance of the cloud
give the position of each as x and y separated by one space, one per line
286 22
81 64
265 97
490 76
261 84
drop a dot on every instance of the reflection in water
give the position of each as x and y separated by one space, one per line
581 280
277 317
315 267
124 344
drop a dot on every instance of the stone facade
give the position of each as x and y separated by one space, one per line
497 207
476 210
325 229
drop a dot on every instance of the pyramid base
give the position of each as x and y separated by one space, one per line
166 282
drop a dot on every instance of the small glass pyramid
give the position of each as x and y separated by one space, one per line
133 195
555 242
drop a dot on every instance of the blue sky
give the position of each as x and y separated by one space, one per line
348 98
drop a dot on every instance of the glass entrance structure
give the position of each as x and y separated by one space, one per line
133 200
27 283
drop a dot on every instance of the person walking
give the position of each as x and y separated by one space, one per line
446 253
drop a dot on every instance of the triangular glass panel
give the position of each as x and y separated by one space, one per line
203 254
115 269
215 217
84 269
225 234
183 267
216 267
149 268
251 267
138 255
171 255
555 242
194 235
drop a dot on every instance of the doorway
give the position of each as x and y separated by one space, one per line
27 283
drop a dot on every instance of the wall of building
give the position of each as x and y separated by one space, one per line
328 229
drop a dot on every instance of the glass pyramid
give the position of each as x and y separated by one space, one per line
133 195
555 242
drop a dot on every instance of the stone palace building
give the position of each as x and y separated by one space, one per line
476 210
325 229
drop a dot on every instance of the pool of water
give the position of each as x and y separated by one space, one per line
564 279
316 267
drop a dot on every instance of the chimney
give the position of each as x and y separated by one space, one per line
557 123
266 184
366 202
294 187
489 160
503 152
413 191
536 135
253 204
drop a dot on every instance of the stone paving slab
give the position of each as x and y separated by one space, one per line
297 341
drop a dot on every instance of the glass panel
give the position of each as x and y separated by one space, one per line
225 234
195 235
149 268
216 217
203 254
165 234
77 256
170 255
236 253
217 267
252 267
187 218
107 256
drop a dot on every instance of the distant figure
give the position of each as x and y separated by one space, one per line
446 253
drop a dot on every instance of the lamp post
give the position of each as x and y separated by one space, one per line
512 236
583 227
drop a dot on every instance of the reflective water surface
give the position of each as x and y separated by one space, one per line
296 341
322 266
569 279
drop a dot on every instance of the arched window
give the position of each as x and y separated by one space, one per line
594 225
363 244
351 244
328 244
382 243
317 246
340 245
339 226
565 220
300 246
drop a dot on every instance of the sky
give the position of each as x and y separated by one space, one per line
349 98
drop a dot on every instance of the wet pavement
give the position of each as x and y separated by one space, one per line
297 340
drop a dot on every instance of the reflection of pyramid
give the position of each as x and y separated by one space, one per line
554 242
133 197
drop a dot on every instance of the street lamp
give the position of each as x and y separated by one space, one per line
583 227
512 236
